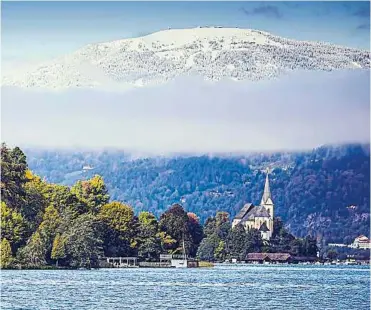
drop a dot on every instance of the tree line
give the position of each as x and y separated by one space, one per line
324 192
45 224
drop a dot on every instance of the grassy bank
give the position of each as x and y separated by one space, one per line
205 264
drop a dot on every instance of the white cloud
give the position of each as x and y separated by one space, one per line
302 110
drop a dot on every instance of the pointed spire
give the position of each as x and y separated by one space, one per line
267 191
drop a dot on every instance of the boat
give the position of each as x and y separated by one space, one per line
180 263
351 263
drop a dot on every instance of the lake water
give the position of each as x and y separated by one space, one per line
222 287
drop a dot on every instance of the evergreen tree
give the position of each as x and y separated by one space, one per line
237 242
296 247
207 248
210 226
332 254
253 241
310 246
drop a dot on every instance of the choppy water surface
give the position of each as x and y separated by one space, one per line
222 287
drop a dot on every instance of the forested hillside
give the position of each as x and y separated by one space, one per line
46 225
325 192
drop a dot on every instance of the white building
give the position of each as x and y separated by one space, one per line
361 242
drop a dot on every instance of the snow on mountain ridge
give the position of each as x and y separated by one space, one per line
214 53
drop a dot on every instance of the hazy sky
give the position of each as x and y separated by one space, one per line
303 110
42 30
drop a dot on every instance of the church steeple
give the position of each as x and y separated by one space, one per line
267 198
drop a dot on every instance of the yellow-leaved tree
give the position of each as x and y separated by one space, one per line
6 257
58 249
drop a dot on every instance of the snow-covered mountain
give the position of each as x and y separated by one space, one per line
214 53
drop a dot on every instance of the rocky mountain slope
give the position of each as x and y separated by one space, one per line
213 53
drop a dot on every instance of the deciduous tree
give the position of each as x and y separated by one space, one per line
13 176
92 192
13 226
120 228
83 242
33 254
58 250
149 243
6 257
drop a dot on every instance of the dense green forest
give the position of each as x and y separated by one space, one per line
324 192
45 224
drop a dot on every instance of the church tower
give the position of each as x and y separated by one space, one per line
267 198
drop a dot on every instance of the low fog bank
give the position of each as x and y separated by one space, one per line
300 111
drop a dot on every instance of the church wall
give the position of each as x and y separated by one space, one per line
235 222
270 209
270 224
249 225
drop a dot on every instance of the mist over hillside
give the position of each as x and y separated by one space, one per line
299 111
324 192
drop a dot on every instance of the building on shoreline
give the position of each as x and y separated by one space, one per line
278 258
260 258
258 217
361 242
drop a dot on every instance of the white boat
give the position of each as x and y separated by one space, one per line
350 263
180 263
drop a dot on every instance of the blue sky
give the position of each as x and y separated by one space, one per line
33 31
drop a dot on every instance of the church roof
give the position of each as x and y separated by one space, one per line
267 197
246 208
256 211
264 227
250 212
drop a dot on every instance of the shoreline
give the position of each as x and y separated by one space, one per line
200 267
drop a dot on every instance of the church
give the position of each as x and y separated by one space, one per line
258 217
